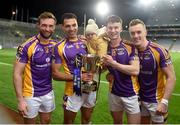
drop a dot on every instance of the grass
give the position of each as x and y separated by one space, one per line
101 112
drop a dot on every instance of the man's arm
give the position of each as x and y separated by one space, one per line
131 69
169 87
17 80
170 81
58 75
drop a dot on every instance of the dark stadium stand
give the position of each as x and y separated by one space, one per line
164 31
13 33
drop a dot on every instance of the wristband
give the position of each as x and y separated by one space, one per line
114 62
164 101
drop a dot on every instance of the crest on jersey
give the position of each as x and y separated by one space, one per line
77 45
147 56
46 48
47 59
70 46
113 52
121 52
19 52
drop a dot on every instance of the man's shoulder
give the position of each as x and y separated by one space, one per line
53 41
158 47
127 42
130 46
29 41
58 43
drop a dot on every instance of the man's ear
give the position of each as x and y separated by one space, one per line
61 26
37 25
121 29
146 32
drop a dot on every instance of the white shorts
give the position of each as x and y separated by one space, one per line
74 103
149 109
44 104
128 104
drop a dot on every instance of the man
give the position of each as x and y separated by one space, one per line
156 77
32 73
123 64
65 53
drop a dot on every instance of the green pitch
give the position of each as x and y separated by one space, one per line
101 112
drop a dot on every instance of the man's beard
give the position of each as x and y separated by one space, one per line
45 37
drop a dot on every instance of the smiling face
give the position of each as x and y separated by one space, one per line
114 27
70 27
138 34
113 30
90 35
46 27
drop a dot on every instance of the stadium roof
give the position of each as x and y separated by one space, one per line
156 11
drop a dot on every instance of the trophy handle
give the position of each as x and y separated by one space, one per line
98 83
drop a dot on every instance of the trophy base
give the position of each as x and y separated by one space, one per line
89 87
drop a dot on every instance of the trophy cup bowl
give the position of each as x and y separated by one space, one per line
90 63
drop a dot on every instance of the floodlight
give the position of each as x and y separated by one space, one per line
102 8
146 2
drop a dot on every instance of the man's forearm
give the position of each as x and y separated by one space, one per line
170 81
169 88
62 76
127 69
18 87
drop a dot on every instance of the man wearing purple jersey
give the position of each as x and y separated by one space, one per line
123 63
32 73
65 53
156 77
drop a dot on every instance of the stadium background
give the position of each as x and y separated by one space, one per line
163 26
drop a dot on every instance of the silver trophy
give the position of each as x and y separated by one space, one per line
89 63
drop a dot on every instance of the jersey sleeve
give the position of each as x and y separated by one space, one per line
22 54
134 54
56 55
165 58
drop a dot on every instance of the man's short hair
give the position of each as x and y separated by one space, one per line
135 22
68 16
114 19
46 15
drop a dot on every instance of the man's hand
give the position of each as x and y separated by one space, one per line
87 77
22 107
82 38
108 60
110 78
161 109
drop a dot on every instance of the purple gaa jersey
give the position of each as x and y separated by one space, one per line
65 53
151 78
124 85
37 79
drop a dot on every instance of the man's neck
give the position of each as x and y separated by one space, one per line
115 42
73 39
143 46
42 40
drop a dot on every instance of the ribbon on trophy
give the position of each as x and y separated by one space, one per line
77 75
88 63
